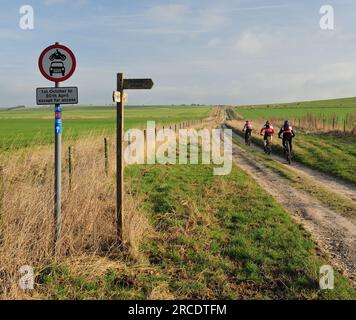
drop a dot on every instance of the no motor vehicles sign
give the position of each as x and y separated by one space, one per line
57 63
68 95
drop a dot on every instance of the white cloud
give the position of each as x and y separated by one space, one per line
214 42
251 43
168 13
210 19
76 3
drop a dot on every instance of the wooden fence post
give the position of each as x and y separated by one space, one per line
106 158
70 168
2 187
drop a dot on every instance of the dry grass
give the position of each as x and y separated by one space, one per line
88 212
89 235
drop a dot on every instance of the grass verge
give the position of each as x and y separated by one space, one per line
212 238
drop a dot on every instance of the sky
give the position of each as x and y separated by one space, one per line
196 51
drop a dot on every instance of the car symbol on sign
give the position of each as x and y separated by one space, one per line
57 67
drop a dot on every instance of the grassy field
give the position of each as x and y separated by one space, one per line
330 151
212 238
189 234
339 109
21 128
343 103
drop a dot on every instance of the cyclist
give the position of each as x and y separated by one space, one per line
248 131
267 131
286 133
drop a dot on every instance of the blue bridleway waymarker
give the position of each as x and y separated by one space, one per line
57 63
58 119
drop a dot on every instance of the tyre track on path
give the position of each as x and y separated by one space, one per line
334 234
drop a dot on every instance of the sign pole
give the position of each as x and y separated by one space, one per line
57 63
57 169
119 162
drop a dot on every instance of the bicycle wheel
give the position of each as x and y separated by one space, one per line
269 145
248 139
288 152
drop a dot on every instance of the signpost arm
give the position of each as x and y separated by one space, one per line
119 162
57 169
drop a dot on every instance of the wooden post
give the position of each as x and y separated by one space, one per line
70 169
2 187
119 162
106 160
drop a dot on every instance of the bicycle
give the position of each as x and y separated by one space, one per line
268 146
287 151
248 137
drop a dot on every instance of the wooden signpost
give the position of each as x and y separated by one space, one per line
123 84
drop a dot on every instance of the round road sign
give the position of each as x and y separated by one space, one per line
57 63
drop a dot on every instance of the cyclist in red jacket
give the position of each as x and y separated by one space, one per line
248 131
287 133
267 131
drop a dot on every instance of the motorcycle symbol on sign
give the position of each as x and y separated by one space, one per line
57 66
57 56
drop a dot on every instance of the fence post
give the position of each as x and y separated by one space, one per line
2 187
70 169
345 126
106 159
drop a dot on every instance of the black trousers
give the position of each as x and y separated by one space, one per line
248 133
284 139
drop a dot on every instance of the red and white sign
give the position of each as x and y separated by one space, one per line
57 63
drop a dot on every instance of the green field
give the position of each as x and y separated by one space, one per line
26 127
326 108
326 150
214 238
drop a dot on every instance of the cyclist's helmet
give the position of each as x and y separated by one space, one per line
286 125
268 124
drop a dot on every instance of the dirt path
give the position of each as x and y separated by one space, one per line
334 234
332 184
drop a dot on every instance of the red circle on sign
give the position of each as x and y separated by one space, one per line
71 71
